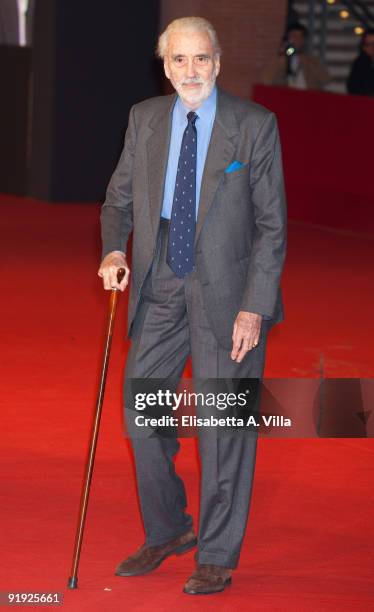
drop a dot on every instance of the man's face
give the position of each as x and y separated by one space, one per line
191 66
368 45
297 39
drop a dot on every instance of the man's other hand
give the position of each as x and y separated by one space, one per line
109 268
246 334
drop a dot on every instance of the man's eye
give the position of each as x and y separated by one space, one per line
202 59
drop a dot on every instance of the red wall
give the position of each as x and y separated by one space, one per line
327 143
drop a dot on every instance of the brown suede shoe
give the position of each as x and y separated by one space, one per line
208 579
147 558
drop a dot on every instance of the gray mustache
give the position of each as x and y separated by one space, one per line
194 80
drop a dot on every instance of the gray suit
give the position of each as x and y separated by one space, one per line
239 254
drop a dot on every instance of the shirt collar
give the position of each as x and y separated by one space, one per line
205 112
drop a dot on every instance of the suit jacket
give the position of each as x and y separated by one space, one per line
240 234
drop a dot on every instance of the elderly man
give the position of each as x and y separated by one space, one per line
199 184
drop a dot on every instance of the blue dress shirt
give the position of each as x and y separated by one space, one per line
204 125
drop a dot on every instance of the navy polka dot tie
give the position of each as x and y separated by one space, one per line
183 214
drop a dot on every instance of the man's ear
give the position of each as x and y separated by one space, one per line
166 69
217 64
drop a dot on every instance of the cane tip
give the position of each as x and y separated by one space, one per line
73 583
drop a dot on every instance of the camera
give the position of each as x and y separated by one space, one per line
289 49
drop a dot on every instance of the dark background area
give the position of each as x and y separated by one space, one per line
73 92
67 94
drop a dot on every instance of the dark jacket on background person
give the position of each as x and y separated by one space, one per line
361 78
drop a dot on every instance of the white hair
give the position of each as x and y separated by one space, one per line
188 24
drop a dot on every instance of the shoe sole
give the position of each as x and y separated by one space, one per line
225 584
180 550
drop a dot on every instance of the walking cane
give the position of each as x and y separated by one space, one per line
73 580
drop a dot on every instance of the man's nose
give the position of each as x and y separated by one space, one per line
191 68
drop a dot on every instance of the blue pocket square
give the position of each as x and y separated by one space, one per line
235 165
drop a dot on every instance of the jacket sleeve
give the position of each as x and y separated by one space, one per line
117 210
275 72
316 74
269 244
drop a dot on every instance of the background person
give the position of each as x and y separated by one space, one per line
361 78
300 70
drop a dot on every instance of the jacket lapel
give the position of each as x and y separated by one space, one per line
157 158
220 153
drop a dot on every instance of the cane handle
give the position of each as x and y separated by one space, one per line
120 274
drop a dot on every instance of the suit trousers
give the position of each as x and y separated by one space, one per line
171 323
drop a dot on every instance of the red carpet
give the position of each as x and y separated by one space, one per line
309 545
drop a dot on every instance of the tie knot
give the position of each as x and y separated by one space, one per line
191 117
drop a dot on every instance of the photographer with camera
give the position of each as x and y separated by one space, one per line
294 67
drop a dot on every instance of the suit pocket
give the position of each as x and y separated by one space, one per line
237 174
